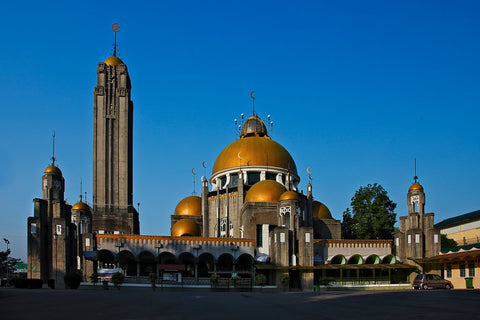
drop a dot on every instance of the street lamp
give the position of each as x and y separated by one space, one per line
7 242
196 247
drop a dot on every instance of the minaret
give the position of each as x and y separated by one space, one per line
417 238
50 233
113 210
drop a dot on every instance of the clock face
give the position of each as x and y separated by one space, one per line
415 199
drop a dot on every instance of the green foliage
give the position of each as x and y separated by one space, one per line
372 215
214 279
260 280
72 280
285 280
117 279
446 242
235 280
8 265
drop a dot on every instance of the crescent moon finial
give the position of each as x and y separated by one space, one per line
251 95
203 164
308 171
115 27
193 172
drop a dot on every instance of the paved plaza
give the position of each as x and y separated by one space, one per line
143 303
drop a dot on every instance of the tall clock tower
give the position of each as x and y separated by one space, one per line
113 210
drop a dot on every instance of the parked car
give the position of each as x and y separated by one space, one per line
431 281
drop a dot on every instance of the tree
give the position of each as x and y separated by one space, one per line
8 265
446 242
372 215
117 279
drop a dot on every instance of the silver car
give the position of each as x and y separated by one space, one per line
431 281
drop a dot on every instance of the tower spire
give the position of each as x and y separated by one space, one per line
53 154
115 29
81 191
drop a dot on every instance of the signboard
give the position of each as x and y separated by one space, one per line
105 274
22 267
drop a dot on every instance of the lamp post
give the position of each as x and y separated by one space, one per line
158 246
55 237
7 242
196 247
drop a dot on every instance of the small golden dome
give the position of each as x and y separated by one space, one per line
53 169
113 61
189 206
254 151
81 206
289 195
186 227
265 191
415 186
320 211
254 126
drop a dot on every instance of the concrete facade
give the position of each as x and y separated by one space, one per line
113 210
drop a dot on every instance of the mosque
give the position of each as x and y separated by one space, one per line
250 218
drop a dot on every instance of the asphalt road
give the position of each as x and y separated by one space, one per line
143 303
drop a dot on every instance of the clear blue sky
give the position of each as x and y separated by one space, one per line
356 90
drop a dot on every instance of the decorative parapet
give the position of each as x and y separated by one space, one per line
176 245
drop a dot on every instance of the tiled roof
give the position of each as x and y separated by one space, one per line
458 219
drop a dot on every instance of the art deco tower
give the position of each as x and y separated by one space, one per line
113 210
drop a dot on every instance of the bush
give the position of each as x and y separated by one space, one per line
235 280
260 280
72 280
214 279
117 279
94 278
285 280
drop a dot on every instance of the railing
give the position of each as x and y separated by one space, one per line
354 280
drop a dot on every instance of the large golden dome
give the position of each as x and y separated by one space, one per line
254 151
81 206
320 211
113 61
53 169
189 206
415 186
265 191
185 227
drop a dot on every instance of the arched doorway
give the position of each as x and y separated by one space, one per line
106 259
127 262
206 265
146 261
187 259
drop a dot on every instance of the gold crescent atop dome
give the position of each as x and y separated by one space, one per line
308 170
193 172
251 95
115 27
203 164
